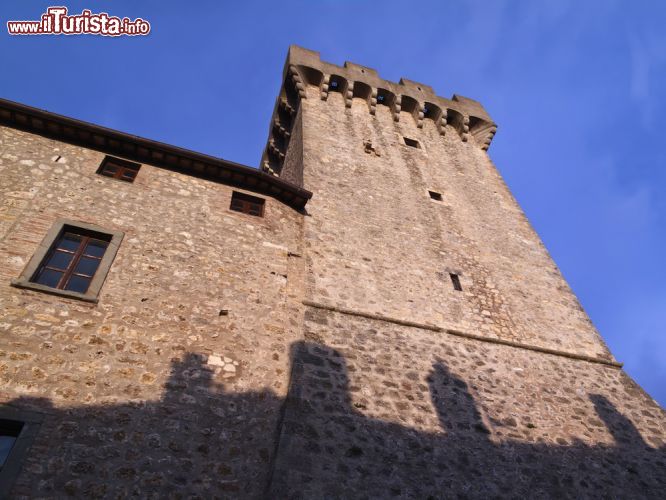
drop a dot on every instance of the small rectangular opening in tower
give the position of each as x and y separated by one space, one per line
412 143
455 279
335 84
385 98
435 195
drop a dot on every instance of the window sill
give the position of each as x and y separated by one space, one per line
29 285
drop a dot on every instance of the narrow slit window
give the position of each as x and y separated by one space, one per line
435 195
247 204
412 143
119 169
455 279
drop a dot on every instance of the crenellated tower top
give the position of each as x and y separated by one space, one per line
305 67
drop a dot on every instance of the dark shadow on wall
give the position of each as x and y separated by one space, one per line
330 449
200 441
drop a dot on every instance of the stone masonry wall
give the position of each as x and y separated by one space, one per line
379 410
151 391
292 169
374 225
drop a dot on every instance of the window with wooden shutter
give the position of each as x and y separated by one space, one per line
247 204
119 169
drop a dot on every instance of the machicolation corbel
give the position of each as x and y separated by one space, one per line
373 102
349 94
397 107
323 92
298 81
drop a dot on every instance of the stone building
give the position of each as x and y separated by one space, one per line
367 315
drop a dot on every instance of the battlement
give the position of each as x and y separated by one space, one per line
304 67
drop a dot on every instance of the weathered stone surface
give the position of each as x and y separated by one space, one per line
399 411
127 376
373 224
315 354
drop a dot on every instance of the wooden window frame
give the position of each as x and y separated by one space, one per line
247 204
70 271
122 168
47 247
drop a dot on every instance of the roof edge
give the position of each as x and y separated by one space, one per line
115 142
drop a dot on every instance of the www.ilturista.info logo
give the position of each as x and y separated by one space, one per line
55 21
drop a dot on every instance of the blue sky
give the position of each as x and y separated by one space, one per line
578 89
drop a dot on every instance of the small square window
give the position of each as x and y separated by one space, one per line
72 260
119 169
247 204
435 195
412 143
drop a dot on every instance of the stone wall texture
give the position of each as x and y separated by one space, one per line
150 391
373 224
314 354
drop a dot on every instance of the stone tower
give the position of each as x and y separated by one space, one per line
444 353
367 315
